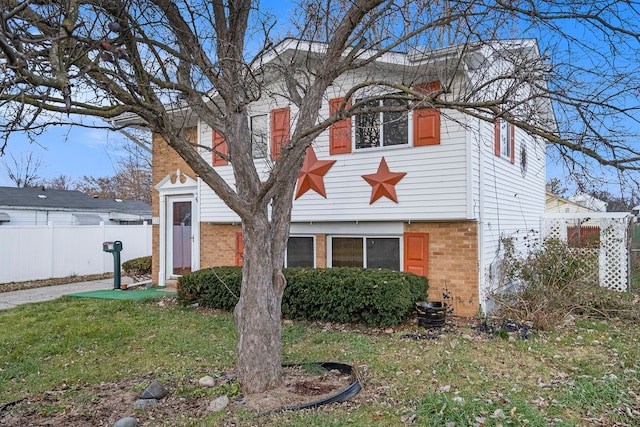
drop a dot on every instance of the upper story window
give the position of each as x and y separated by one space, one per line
270 133
504 139
259 125
384 128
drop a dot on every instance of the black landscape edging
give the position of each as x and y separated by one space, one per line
342 396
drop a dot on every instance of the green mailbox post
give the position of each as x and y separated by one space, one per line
115 248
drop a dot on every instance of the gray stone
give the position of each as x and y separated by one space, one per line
143 404
218 404
154 391
126 422
207 381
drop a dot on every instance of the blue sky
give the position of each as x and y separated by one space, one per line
74 152
77 152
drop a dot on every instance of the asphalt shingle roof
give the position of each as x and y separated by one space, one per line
13 197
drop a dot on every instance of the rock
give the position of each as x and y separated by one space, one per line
154 391
126 422
218 404
499 414
207 381
143 404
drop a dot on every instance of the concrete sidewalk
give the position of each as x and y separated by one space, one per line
16 298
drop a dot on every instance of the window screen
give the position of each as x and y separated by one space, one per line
395 125
300 252
259 135
347 252
383 253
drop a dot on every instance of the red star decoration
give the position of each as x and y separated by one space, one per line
311 176
383 182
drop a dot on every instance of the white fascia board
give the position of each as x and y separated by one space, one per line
592 215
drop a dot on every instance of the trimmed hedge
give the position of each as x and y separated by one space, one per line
346 295
138 268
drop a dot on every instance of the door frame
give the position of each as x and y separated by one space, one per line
169 234
176 187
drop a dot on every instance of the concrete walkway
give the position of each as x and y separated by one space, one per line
16 298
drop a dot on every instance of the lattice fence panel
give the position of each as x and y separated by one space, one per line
555 228
613 258
613 265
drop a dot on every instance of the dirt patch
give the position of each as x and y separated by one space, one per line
31 284
106 403
299 387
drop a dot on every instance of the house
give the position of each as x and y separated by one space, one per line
557 204
589 202
41 206
427 191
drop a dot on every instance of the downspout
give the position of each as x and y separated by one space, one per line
481 208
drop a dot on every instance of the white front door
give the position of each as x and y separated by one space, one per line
179 236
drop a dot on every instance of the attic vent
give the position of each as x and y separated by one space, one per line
41 196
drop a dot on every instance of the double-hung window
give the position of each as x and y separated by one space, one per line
368 252
382 128
504 139
259 125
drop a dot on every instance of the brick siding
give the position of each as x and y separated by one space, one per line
453 264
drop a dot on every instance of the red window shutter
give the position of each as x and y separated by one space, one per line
496 137
280 130
512 130
426 127
426 121
220 145
339 132
428 87
239 248
416 253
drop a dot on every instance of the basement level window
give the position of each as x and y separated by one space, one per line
301 252
368 252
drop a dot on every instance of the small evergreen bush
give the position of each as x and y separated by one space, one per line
345 295
139 269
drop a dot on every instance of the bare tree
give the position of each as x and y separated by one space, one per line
60 182
557 187
132 181
168 63
24 170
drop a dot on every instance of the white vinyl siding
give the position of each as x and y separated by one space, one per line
434 188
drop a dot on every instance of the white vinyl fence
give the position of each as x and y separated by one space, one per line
47 251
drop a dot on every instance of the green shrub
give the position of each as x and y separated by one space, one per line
138 269
346 295
217 287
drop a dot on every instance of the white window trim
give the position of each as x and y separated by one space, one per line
267 152
505 139
354 138
364 238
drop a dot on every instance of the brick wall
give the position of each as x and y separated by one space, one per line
453 264
165 161
218 244
321 251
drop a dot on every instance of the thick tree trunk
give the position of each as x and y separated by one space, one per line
258 312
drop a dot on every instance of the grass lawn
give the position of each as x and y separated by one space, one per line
587 373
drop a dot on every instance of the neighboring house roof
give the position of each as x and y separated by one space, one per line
67 200
557 204
590 202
